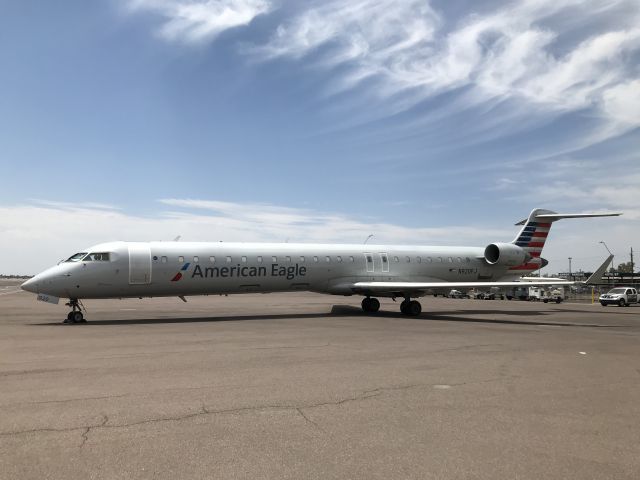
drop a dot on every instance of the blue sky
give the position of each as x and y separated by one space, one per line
439 122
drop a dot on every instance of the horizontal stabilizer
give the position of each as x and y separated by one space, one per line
552 217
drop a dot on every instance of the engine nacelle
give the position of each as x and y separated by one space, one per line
506 254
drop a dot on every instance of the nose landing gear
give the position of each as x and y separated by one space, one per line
75 315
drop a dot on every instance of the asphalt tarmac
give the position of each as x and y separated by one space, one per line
306 386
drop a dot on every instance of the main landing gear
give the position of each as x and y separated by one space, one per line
370 305
407 307
410 307
75 315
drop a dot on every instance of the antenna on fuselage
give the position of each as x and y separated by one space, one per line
177 239
369 237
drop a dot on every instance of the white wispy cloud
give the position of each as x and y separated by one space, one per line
34 236
556 56
198 21
550 56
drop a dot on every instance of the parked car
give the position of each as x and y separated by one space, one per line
621 296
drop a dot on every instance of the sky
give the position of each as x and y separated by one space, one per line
418 121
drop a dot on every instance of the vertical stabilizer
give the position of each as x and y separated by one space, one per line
532 238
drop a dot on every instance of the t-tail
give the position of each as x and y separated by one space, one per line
534 234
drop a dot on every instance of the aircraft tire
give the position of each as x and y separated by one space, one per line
77 317
404 307
414 308
374 305
370 305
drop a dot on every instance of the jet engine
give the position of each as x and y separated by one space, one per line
505 254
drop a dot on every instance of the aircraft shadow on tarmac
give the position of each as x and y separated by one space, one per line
351 311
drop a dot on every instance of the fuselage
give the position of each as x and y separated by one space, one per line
150 269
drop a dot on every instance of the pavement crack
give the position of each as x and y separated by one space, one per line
203 410
308 420
85 433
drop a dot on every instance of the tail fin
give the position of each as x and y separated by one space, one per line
535 232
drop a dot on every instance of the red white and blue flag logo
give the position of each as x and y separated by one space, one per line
178 275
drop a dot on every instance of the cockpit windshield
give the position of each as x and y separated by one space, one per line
76 258
97 257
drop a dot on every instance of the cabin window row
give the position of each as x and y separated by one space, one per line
408 259
316 259
260 259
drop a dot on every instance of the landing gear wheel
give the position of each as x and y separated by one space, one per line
414 308
370 305
404 306
411 307
75 315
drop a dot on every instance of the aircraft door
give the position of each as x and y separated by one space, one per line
384 260
369 259
139 264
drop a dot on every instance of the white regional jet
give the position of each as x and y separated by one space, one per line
164 269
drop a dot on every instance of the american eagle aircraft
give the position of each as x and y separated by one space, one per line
165 269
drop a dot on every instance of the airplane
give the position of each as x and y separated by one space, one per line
179 269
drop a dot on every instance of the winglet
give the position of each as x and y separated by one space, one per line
596 277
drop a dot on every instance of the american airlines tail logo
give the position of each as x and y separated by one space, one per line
178 275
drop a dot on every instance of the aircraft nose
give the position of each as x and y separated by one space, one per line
30 285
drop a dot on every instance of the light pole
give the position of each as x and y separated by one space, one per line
570 276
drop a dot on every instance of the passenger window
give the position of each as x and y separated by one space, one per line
163 259
450 260
315 259
229 259
244 259
212 259
180 259
419 259
429 259
459 259
467 259
339 258
274 259
440 259
408 259
396 259
327 259
302 259
259 259
196 259
287 259
351 259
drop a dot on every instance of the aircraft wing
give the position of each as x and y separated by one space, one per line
422 286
